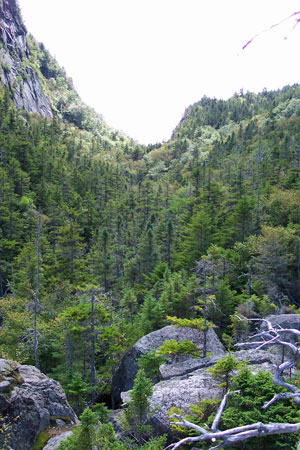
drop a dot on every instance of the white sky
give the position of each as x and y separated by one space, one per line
140 63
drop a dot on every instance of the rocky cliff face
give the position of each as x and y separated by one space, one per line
30 402
16 71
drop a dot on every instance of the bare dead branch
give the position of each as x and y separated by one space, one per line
220 411
290 346
186 423
244 319
187 440
297 13
275 335
280 396
235 435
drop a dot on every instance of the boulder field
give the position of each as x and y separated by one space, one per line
180 384
30 402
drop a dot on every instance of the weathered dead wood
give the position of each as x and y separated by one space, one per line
234 435
270 338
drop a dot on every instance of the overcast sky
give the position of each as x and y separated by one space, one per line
140 63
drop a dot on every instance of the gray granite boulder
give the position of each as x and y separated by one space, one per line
181 392
31 402
124 377
188 382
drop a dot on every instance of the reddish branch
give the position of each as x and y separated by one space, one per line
297 13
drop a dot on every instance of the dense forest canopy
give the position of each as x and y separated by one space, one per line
133 221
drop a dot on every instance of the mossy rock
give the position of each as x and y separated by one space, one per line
51 432
17 377
42 439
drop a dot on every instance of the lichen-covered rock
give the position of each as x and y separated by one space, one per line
178 369
184 382
188 382
4 386
33 399
181 392
124 377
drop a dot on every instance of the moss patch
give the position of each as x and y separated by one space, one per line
42 440
49 433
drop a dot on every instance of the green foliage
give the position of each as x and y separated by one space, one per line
42 440
151 361
87 435
136 414
102 412
154 444
197 238
106 439
152 315
275 252
197 323
84 435
223 369
15 317
176 293
129 301
223 306
201 413
140 393
246 408
172 347
76 389
204 410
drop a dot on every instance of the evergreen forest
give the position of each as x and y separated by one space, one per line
103 240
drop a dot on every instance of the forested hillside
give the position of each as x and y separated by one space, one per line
136 224
100 236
